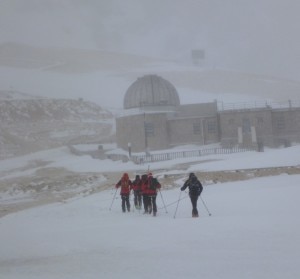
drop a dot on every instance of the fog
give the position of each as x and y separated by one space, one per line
258 36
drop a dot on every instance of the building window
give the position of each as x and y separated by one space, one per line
149 129
260 120
246 125
280 124
197 128
211 126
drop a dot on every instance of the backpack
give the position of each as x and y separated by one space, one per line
195 187
153 183
125 184
137 183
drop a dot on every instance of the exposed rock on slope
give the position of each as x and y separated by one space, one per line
30 124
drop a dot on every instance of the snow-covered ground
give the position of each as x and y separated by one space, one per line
253 231
73 226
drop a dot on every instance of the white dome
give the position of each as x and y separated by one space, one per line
151 90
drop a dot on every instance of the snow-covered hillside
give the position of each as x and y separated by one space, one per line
28 123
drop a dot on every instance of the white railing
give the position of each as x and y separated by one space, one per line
157 157
258 105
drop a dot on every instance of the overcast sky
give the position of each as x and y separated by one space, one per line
234 33
255 36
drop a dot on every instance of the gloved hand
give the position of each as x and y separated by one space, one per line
182 188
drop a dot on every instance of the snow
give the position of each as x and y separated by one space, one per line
253 231
61 157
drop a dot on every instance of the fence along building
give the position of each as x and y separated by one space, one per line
154 119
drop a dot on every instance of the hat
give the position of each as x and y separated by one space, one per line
192 175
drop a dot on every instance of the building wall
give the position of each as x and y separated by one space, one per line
211 130
271 127
131 129
286 126
197 110
181 131
160 138
193 130
231 121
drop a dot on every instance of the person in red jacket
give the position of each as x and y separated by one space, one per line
136 187
152 187
126 185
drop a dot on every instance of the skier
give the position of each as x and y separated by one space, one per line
126 186
136 187
195 189
152 186
144 192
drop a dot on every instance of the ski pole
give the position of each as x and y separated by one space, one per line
113 199
163 201
133 205
205 206
174 202
177 205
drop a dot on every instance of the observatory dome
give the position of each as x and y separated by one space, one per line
151 90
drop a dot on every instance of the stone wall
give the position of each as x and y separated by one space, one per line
286 126
131 129
231 121
181 131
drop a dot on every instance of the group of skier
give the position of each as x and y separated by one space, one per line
145 188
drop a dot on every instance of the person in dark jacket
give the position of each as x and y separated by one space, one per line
126 186
144 192
195 190
136 187
152 187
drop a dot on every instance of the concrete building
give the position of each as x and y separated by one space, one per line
154 119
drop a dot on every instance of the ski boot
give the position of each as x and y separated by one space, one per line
195 214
